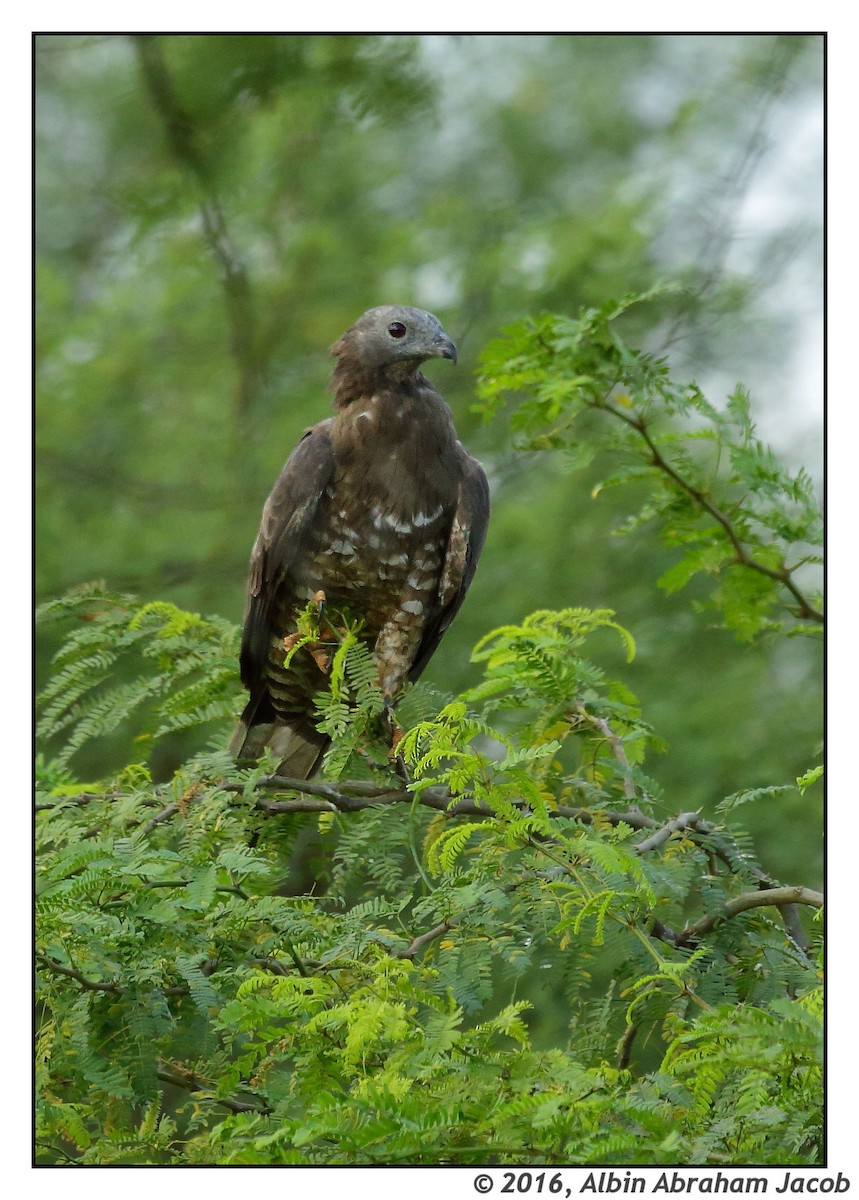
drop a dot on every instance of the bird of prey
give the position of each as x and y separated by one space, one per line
380 511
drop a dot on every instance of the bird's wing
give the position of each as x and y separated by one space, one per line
465 541
287 514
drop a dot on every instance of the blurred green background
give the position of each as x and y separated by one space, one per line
213 211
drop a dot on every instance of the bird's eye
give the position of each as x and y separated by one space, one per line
397 329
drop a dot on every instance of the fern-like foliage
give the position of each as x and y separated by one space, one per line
722 500
152 668
382 1013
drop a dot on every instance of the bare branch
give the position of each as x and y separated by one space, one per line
740 904
423 940
166 813
687 821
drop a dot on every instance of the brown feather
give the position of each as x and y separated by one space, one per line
380 508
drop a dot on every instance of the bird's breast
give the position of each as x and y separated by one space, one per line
377 543
373 558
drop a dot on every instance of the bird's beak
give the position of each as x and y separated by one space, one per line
443 347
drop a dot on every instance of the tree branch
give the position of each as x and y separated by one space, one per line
166 813
353 795
617 746
688 821
79 799
742 556
89 985
624 1047
692 824
109 985
183 1077
739 904
350 796
234 279
423 940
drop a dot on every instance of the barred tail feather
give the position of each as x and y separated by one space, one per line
297 743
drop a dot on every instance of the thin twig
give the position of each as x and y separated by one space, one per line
79 799
278 967
89 985
423 940
231 888
687 821
692 824
182 1077
56 1149
166 813
617 746
720 229
110 985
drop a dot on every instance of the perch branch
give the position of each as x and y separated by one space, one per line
354 795
350 796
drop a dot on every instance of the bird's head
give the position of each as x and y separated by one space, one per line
392 337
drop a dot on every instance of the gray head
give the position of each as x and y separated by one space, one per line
393 336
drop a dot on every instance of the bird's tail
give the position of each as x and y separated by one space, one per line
297 743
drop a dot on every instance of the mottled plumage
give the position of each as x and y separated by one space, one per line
380 508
